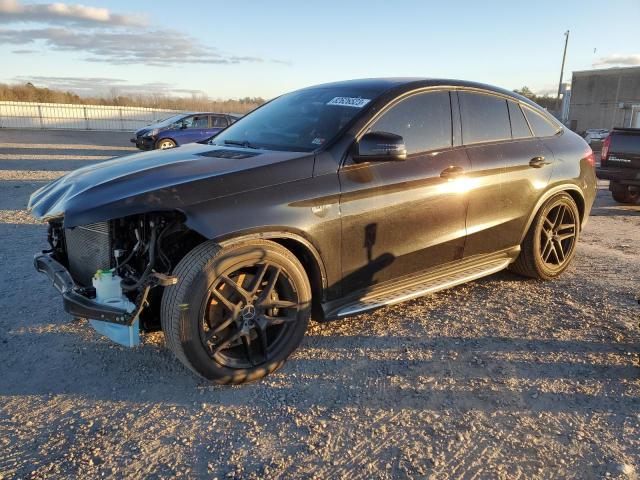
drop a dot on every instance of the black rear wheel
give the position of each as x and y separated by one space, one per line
237 313
550 243
622 194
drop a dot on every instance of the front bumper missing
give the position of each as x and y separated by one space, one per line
74 302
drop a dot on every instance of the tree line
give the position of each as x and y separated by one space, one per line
30 93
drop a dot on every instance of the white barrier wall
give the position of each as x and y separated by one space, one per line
78 117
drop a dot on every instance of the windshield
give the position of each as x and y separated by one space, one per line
169 120
298 121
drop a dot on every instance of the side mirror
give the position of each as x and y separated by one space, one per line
183 125
380 147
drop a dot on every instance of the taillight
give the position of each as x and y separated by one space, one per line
591 158
605 149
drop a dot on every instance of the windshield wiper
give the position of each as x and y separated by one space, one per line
240 143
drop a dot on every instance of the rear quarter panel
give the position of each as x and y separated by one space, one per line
571 170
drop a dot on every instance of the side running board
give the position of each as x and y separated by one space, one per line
400 291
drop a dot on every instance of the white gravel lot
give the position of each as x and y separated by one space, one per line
501 378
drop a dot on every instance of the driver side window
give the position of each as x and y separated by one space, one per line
423 120
186 122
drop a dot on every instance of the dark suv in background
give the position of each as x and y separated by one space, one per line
620 164
180 129
327 202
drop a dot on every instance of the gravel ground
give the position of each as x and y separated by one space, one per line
501 378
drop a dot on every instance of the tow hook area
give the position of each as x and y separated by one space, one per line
109 292
111 313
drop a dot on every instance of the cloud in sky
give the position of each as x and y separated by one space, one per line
102 85
14 11
125 47
106 37
618 59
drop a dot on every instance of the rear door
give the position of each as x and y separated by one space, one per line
218 123
510 167
199 129
529 165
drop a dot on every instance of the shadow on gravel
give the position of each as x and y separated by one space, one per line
615 210
463 374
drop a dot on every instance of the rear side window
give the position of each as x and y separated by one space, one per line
541 126
218 122
484 118
423 121
519 126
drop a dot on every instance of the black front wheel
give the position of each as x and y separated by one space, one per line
550 243
237 312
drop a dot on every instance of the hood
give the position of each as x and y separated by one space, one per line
142 131
164 180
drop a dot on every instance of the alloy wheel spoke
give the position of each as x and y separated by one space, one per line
278 304
261 330
562 210
224 300
566 226
280 319
224 343
546 251
559 251
548 224
259 278
246 341
270 286
246 295
224 325
564 236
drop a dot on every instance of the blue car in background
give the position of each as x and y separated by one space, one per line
180 129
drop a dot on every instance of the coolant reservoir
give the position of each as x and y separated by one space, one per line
109 292
107 286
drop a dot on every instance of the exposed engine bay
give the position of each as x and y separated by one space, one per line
133 254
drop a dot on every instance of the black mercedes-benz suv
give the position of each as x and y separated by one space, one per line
324 203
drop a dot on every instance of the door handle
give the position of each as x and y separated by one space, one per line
451 172
538 162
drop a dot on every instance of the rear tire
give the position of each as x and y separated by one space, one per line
237 312
550 243
622 194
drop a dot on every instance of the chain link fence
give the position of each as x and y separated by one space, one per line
78 117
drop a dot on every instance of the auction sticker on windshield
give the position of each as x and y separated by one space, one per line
355 102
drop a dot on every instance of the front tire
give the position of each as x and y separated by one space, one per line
237 312
550 243
165 143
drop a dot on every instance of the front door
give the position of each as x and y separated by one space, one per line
401 217
192 129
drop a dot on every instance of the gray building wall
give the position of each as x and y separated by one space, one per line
605 98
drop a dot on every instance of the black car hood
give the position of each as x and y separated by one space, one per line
163 180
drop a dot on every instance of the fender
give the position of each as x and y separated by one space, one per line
546 196
276 233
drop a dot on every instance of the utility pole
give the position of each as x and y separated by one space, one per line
564 56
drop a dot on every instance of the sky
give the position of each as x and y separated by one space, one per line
256 48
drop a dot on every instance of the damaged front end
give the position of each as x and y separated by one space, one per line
113 272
